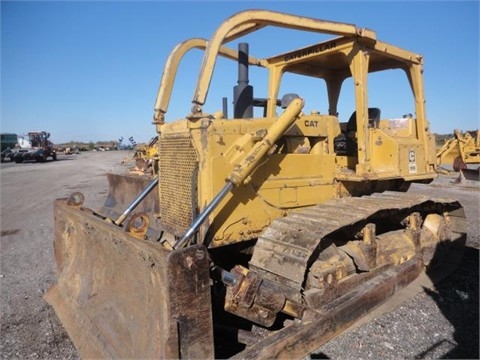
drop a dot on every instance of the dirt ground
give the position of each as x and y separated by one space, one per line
438 323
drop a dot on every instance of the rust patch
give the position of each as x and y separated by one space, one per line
9 232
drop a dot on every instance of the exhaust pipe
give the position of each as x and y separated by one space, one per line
243 93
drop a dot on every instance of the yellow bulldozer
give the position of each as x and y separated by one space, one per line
265 234
145 156
461 150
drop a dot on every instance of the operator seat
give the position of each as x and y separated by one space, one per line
346 142
373 118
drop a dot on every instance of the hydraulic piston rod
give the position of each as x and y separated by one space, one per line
247 165
201 218
137 201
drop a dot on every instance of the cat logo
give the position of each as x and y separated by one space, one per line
311 123
412 166
411 156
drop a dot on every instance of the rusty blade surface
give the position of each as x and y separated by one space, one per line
123 190
469 174
121 297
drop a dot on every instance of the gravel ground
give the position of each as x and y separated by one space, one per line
436 323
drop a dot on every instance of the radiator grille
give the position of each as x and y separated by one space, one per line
177 165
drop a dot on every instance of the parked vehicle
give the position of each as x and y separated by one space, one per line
41 148
8 141
7 154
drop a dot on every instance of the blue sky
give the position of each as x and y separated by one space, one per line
90 71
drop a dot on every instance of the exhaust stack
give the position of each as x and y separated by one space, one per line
243 93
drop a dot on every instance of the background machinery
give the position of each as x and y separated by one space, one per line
39 148
266 234
145 156
461 150
8 142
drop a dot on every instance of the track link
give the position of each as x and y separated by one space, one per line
289 246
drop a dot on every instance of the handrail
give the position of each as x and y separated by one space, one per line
248 21
171 67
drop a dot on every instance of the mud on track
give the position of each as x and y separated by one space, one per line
438 323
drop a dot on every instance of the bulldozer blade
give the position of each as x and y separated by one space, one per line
123 190
469 175
121 297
